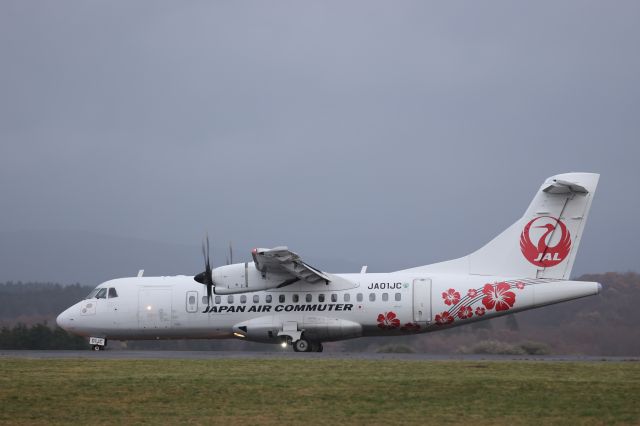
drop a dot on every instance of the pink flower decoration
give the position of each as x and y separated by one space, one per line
388 321
498 296
451 297
444 318
465 312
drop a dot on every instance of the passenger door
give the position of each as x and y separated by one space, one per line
422 300
154 308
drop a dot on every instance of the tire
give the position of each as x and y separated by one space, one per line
96 347
301 346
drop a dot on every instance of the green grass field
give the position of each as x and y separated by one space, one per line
318 391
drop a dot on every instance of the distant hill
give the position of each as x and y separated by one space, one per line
31 303
600 325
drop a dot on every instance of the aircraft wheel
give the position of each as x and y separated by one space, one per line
96 347
301 346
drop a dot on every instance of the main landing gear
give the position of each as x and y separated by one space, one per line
303 345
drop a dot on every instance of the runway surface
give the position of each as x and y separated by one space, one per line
245 355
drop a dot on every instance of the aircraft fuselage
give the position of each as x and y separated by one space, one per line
378 305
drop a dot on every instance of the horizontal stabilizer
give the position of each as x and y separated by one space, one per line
558 186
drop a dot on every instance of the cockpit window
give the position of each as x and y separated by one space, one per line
102 294
113 293
93 293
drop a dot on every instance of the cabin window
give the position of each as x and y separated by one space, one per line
347 297
243 299
321 298
308 298
359 297
334 297
102 294
281 298
218 300
295 298
372 297
267 298
398 297
230 299
113 293
192 300
256 298
385 297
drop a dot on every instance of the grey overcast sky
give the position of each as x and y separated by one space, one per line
389 133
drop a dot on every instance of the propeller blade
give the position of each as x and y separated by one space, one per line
208 264
206 277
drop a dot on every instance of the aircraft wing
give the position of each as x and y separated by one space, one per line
281 260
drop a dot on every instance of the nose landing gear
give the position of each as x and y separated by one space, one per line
98 343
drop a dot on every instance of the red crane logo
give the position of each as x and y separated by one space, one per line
543 254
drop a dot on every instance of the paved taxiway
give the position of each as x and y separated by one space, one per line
217 355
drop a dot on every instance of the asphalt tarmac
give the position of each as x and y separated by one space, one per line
288 354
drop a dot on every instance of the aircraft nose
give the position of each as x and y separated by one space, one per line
64 320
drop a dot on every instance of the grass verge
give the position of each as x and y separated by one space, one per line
317 391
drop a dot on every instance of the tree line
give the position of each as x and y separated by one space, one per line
39 336
27 309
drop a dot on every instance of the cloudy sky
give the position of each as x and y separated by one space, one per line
388 133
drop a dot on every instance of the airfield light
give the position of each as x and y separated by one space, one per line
283 344
148 307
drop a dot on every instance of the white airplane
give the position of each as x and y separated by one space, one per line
278 298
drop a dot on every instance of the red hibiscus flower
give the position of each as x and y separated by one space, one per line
388 321
444 318
520 285
451 297
498 296
465 312
472 292
480 311
410 326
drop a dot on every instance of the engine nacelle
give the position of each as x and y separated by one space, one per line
243 278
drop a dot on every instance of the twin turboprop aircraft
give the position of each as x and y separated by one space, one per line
278 298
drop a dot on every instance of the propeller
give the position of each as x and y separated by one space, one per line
206 277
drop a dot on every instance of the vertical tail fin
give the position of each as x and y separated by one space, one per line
541 244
